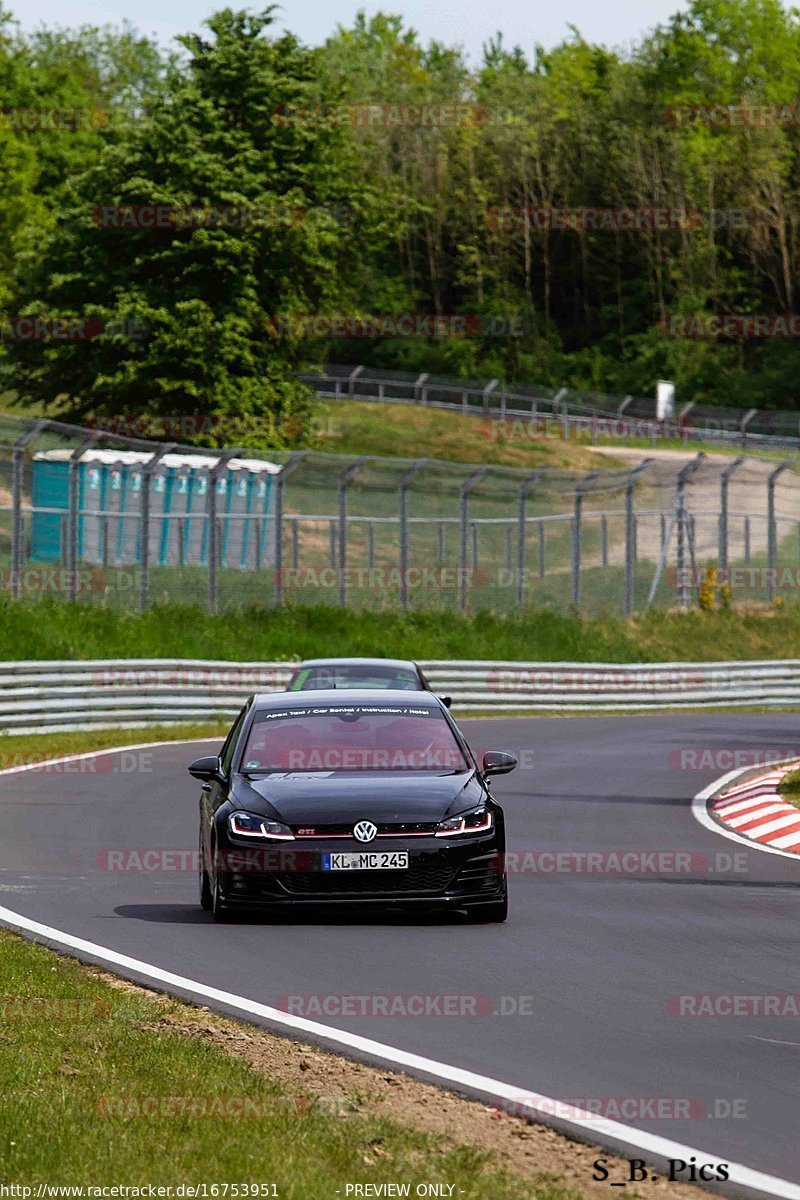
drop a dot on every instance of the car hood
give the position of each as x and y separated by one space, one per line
380 796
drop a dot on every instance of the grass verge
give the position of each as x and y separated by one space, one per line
131 1088
54 629
398 431
18 749
789 788
113 1094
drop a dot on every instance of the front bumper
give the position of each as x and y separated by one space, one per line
440 873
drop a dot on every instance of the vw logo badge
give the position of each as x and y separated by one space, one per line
365 831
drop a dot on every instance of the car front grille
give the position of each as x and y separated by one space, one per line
420 877
407 829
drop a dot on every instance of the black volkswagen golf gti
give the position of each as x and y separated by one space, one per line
364 798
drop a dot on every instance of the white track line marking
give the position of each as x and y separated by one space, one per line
538 1107
700 813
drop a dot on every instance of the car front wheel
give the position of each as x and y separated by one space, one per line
219 909
206 897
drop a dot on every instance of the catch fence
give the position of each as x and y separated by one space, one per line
95 517
564 413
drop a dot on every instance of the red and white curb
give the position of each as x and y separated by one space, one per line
754 811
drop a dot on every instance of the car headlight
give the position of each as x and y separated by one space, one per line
248 825
477 821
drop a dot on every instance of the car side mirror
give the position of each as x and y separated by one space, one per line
446 700
206 768
497 762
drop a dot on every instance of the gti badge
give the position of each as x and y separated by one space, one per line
365 831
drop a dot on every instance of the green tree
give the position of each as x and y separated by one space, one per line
213 140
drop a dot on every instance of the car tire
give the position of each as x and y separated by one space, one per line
206 896
485 914
219 910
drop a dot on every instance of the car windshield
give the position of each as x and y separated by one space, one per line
352 738
321 678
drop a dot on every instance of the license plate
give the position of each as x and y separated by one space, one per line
367 860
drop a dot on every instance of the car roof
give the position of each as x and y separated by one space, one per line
395 663
339 698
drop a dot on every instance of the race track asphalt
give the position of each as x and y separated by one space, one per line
579 979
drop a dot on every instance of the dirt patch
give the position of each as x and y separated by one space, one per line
348 1089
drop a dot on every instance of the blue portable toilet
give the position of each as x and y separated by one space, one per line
110 486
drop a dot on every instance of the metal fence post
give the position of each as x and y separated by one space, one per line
490 387
525 489
630 534
351 379
148 471
723 511
73 492
466 487
402 505
344 479
680 501
772 532
746 419
577 518
17 525
214 475
292 462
